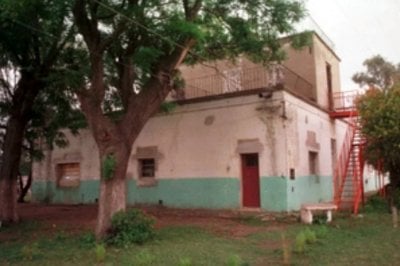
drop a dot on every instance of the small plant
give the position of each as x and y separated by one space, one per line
100 252
300 243
108 166
132 226
310 235
304 237
31 251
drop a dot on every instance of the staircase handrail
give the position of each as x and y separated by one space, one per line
342 162
358 195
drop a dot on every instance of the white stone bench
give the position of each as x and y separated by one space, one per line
308 209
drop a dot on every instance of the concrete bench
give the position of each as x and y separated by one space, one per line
308 209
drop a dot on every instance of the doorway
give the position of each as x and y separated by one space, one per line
250 180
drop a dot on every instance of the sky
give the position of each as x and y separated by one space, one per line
359 29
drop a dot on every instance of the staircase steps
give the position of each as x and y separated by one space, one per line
349 190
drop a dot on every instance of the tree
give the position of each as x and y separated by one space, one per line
135 49
33 34
380 115
379 74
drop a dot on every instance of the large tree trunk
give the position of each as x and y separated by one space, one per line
27 90
9 169
117 137
393 193
113 189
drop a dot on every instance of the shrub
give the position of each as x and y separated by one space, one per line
376 204
132 226
100 252
310 236
303 238
300 243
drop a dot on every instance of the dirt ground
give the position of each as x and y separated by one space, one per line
78 218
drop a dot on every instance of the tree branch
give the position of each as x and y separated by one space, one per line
191 12
86 27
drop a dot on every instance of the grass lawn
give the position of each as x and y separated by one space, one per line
366 240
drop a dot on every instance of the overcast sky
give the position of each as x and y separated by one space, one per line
359 29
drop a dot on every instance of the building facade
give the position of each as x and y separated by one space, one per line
240 136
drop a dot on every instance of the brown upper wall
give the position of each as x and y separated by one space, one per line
304 73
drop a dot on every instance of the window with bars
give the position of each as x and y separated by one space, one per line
147 167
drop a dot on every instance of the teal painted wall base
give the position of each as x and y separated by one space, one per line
47 191
213 193
276 193
273 193
309 189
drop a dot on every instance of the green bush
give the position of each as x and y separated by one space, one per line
310 235
100 252
304 238
132 226
376 204
300 243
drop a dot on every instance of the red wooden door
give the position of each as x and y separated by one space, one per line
250 180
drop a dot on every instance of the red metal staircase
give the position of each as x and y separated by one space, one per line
348 174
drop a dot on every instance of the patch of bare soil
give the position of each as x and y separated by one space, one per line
80 218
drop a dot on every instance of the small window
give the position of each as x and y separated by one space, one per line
147 167
68 174
313 162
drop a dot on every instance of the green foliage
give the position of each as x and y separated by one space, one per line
168 107
87 240
300 243
131 226
380 115
321 231
108 166
379 73
311 236
100 253
304 238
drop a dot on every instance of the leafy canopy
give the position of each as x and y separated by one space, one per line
142 35
379 73
380 116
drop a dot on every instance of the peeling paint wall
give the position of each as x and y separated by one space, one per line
198 148
310 130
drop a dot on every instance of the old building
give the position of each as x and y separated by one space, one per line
240 136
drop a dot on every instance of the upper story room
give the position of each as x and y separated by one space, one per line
311 73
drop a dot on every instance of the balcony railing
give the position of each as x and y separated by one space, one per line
237 79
